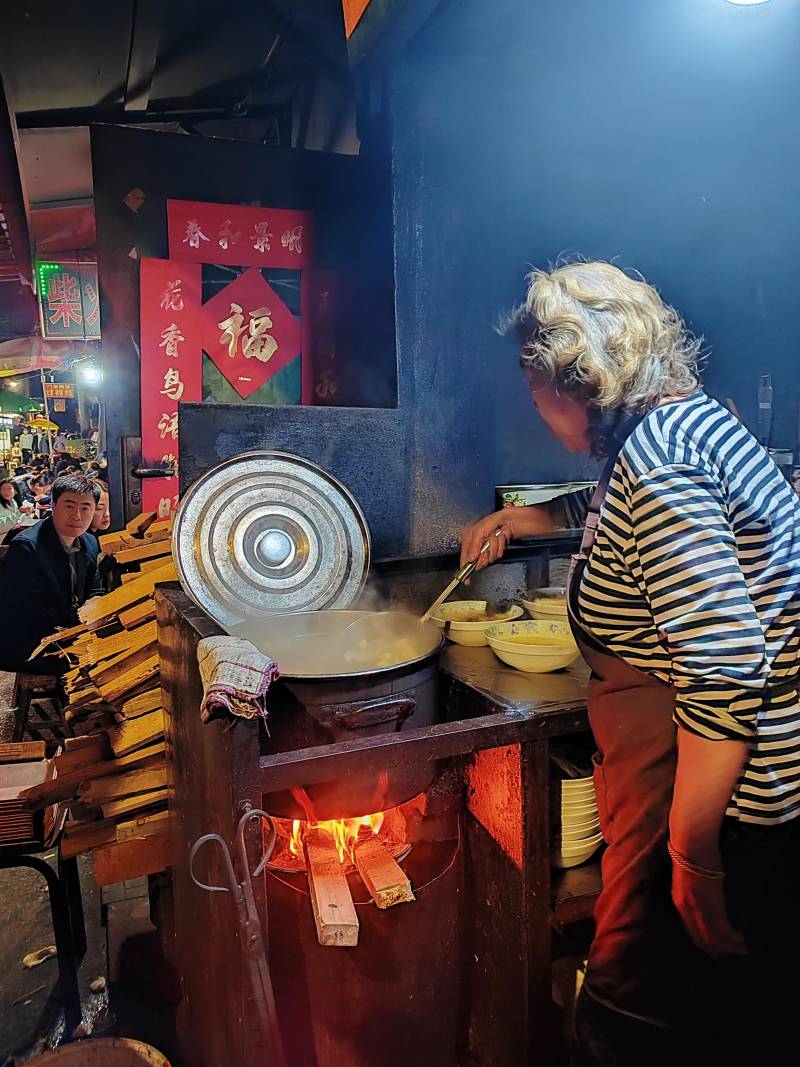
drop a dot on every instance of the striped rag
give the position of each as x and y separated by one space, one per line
236 677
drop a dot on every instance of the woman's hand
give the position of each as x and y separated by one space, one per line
701 905
511 523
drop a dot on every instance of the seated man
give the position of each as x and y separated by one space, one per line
48 572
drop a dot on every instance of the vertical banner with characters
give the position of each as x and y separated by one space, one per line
171 367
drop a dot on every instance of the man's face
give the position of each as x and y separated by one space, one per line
73 514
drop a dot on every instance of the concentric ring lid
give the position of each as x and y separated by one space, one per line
268 532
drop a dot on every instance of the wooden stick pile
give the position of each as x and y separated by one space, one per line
113 772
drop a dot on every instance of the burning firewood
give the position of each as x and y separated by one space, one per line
334 914
381 874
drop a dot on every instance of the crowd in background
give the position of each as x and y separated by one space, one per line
25 494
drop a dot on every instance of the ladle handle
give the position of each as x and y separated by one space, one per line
361 714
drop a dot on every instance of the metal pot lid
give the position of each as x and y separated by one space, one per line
268 532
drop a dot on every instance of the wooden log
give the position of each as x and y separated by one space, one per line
153 535
110 647
137 733
65 785
22 751
100 609
156 529
150 565
131 680
381 874
150 700
82 836
141 648
83 713
79 745
145 551
124 860
128 805
144 826
334 914
139 523
138 614
116 786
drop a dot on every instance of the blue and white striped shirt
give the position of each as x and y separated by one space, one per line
695 578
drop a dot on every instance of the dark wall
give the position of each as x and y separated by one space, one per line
661 134
352 239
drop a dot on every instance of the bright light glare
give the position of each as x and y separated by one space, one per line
90 373
13 385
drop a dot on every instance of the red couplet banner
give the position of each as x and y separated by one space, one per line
171 367
239 236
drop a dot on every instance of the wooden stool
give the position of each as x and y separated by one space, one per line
27 689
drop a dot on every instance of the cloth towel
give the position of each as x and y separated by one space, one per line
236 678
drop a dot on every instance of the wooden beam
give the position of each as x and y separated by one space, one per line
145 34
139 523
69 777
142 704
381 874
116 786
22 751
143 827
101 608
81 836
128 805
148 550
132 617
334 914
122 861
131 680
137 733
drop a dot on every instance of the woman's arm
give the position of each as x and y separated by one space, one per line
512 523
704 782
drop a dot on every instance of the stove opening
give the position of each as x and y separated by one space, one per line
391 828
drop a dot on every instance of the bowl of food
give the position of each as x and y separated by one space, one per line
466 621
536 647
549 603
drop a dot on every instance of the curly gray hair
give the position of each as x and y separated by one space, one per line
605 336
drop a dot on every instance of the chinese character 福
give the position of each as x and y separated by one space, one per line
194 235
172 297
260 344
231 329
293 239
173 386
168 424
227 238
261 237
64 300
172 335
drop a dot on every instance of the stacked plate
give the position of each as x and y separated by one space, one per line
548 604
576 833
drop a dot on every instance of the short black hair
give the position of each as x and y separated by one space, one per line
20 470
75 483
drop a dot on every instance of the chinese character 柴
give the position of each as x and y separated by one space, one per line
64 300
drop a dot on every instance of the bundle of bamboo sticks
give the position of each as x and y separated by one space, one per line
112 773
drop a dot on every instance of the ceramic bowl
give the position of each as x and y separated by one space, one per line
537 647
580 852
572 787
571 835
549 603
451 617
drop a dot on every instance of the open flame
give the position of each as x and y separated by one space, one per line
346 833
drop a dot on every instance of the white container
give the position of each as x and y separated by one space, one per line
537 647
451 617
574 855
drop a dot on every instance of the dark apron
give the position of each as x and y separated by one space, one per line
641 954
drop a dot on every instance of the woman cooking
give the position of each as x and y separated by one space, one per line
685 600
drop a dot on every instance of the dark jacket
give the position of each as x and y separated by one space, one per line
36 589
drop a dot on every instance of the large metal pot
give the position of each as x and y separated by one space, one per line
309 708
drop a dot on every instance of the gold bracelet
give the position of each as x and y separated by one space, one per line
686 864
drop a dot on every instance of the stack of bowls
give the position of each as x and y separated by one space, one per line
548 604
536 647
454 618
576 833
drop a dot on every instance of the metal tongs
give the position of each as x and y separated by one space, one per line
460 576
255 942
